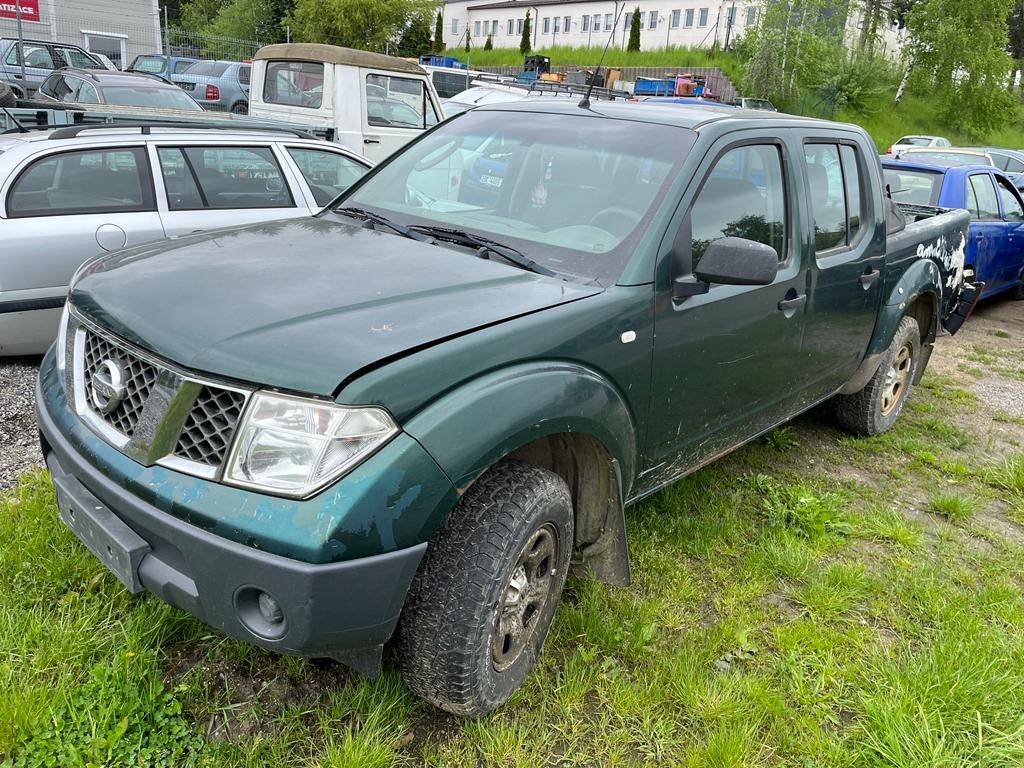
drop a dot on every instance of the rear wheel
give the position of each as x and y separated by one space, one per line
482 602
240 108
876 407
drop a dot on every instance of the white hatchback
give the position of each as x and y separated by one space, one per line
70 194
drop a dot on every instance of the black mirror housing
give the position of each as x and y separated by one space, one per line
738 261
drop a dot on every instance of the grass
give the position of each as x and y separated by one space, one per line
810 600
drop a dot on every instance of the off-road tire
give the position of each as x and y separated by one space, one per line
450 619
873 409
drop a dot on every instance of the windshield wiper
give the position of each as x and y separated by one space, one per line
371 219
487 247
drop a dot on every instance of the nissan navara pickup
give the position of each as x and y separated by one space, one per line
413 413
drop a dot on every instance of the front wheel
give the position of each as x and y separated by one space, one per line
483 599
875 408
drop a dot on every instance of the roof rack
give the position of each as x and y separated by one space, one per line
577 89
71 131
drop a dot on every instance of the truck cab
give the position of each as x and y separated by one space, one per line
367 101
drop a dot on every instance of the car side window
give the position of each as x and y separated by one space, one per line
223 177
1013 165
983 196
76 58
327 173
744 195
35 56
87 94
1012 210
181 66
244 74
55 86
828 196
400 102
856 201
89 181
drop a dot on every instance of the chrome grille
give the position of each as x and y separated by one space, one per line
139 377
210 425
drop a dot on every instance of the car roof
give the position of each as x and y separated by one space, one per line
935 167
694 117
110 77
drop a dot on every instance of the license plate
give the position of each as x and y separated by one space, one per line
491 181
117 546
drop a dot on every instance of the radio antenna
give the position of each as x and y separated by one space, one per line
17 126
585 102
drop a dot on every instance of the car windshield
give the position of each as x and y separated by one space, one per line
144 96
149 64
574 197
915 141
913 186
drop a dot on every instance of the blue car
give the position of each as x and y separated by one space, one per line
995 237
164 66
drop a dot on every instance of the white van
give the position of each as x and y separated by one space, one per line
374 103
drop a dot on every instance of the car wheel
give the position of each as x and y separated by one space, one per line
1017 293
240 108
482 601
7 96
876 407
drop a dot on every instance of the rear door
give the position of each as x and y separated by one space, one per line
396 109
325 173
1012 209
849 250
727 363
62 208
206 186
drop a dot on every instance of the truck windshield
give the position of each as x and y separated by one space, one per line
913 186
573 196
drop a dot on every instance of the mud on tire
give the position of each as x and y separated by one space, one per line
876 407
482 601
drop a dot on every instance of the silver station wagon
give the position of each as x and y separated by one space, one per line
70 194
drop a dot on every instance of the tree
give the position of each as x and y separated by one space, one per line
439 32
1015 21
469 45
366 24
960 59
489 43
634 31
524 41
415 37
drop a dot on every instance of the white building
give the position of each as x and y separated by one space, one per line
692 23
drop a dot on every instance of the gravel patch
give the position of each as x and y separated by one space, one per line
19 438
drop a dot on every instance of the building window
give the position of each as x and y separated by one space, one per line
558 24
751 15
511 26
546 26
519 26
597 22
476 29
702 17
494 27
567 24
653 20
730 18
674 20
643 18
455 26
689 17
586 23
608 21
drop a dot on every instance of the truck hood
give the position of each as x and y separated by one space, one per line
306 304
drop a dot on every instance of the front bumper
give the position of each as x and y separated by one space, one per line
329 608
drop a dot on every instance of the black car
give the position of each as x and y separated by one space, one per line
126 89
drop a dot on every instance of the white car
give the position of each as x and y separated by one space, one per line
69 194
909 142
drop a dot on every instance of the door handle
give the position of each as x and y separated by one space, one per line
869 277
795 303
371 140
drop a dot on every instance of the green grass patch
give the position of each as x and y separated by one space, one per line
953 507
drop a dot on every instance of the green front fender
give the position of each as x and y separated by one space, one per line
920 280
472 427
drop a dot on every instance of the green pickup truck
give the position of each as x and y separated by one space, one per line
412 414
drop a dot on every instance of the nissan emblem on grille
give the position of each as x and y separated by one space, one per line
107 386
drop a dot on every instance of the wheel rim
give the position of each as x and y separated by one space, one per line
525 597
896 379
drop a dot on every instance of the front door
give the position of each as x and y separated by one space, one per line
397 109
987 233
1012 259
726 363
849 252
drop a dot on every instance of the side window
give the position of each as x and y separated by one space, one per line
87 94
743 196
327 173
828 195
181 66
986 204
224 177
244 74
35 56
294 83
91 181
856 212
77 58
1012 210
56 86
400 102
1013 165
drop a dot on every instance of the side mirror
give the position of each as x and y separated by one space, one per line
738 261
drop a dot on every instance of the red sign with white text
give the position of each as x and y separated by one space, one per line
29 9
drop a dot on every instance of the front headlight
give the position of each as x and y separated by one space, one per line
296 446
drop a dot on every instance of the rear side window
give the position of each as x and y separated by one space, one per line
222 178
294 83
327 173
243 74
56 86
837 199
399 102
981 197
92 181
1012 210
180 66
1011 164
79 59
743 196
150 64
